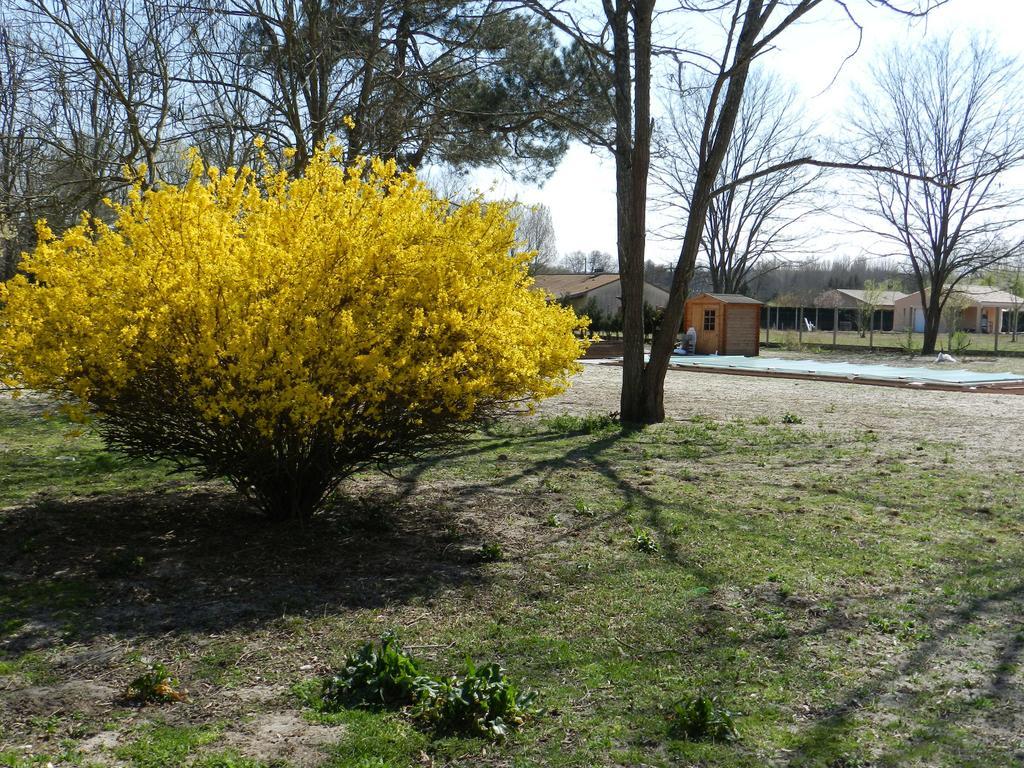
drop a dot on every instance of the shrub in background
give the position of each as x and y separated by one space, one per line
283 333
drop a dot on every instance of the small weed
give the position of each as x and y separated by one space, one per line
155 686
702 718
761 421
491 553
791 418
551 521
904 629
644 541
581 507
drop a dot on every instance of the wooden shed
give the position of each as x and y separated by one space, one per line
726 323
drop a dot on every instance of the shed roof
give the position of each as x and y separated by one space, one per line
565 286
729 298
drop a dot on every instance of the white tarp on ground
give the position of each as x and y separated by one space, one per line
847 370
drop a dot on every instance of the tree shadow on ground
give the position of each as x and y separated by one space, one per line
144 564
955 684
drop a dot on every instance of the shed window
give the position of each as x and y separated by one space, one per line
709 319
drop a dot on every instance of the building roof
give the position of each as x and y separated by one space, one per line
983 294
852 298
568 286
986 294
882 299
729 298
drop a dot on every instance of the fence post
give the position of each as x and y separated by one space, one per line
999 327
835 325
800 326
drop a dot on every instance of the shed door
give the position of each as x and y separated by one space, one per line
741 330
709 326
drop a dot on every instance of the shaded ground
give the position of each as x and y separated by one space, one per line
850 582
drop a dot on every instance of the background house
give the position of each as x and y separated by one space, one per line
981 308
859 301
603 288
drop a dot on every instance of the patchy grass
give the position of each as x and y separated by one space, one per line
852 600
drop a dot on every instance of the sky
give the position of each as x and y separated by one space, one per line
810 56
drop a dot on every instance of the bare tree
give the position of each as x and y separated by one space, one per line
19 152
620 49
111 61
586 262
536 232
956 115
750 227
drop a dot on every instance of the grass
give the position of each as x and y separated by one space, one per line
852 600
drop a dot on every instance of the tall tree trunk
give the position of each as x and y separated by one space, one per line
643 388
932 320
632 161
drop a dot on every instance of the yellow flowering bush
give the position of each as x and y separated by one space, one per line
281 332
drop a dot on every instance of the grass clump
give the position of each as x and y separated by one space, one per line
589 424
159 746
702 718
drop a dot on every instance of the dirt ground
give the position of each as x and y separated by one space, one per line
988 426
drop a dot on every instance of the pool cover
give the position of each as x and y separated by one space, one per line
851 371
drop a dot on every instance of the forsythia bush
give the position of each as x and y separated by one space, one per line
283 333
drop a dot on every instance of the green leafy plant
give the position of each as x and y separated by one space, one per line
791 418
491 553
644 541
376 677
484 702
702 718
155 686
